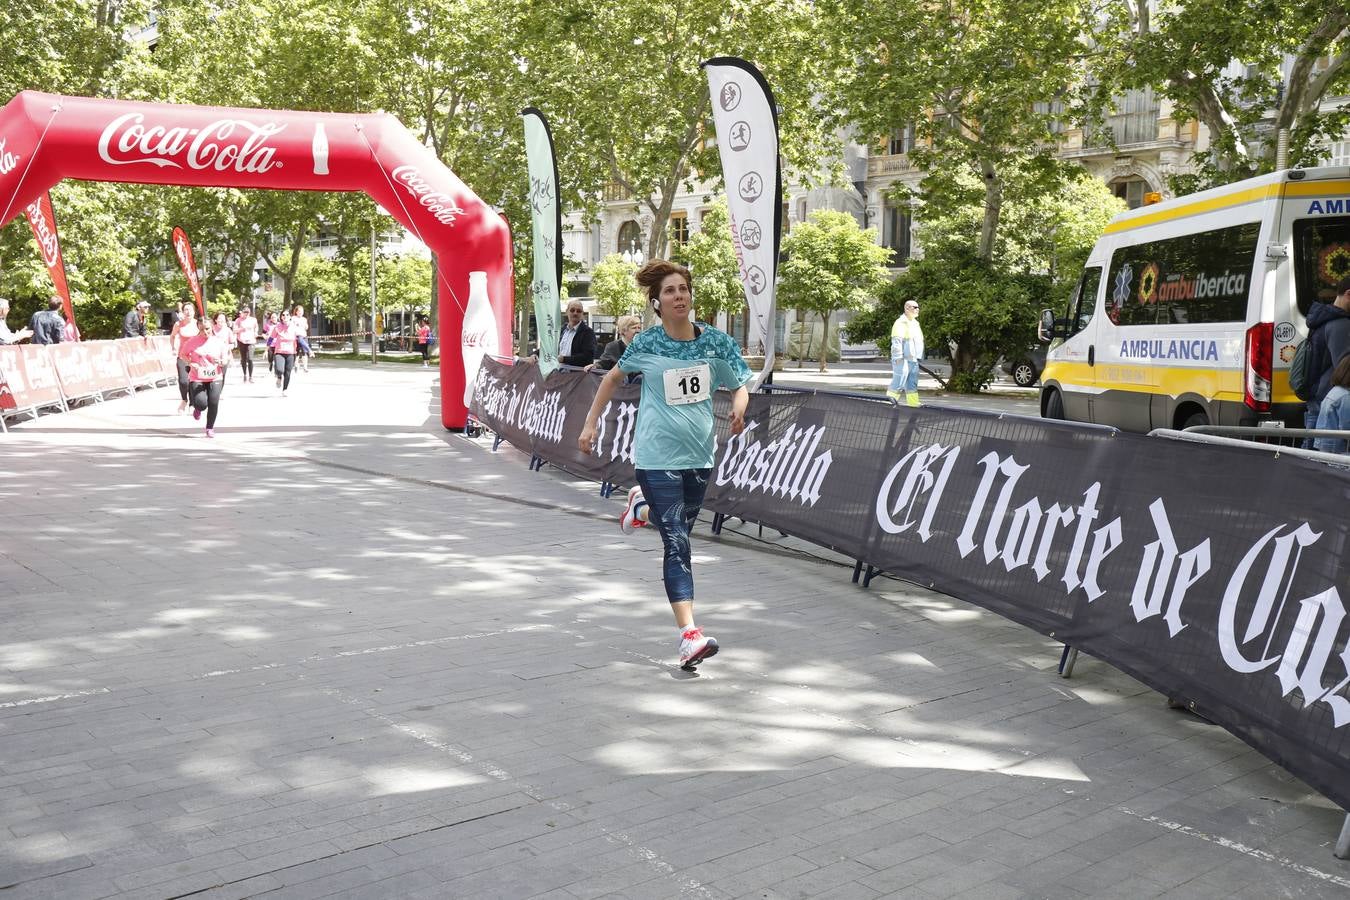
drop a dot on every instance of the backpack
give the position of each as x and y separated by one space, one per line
1304 371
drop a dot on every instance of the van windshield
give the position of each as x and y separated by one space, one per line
1321 259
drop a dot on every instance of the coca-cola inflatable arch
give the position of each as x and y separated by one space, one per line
45 138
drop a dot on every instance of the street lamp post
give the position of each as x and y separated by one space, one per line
374 360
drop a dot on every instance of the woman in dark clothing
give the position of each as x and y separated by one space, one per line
624 331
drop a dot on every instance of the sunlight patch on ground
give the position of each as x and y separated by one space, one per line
411 780
244 633
774 749
909 658
182 616
45 846
25 656
1095 696
949 616
822 675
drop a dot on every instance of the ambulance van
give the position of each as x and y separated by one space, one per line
1189 311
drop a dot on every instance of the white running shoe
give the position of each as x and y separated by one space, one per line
629 521
695 647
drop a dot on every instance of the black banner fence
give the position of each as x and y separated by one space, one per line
1212 574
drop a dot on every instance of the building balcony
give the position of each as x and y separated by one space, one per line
896 164
615 191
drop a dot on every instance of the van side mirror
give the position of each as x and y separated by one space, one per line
1045 328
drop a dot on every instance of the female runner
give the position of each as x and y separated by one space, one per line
207 353
682 364
186 327
283 337
246 335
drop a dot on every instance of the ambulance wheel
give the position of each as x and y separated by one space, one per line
1054 406
1194 419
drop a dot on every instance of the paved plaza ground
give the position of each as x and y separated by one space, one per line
337 651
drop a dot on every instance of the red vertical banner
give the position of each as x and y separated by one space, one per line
182 248
42 218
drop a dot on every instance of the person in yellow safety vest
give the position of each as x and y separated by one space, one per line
906 351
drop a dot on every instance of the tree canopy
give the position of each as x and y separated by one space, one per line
831 264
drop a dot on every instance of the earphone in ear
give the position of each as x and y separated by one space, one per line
656 303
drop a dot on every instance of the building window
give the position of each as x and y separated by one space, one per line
785 211
1337 154
679 229
901 140
896 226
1131 190
630 237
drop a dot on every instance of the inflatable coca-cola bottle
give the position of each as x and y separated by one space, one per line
480 331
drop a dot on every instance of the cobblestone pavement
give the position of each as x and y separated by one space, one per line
337 651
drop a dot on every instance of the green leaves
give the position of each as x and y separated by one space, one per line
613 287
711 258
831 264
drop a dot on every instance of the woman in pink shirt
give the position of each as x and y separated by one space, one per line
246 335
206 354
301 326
185 328
284 339
220 327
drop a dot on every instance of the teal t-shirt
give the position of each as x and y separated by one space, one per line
679 435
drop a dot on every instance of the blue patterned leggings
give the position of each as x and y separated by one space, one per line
674 498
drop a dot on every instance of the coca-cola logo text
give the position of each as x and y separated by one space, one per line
7 160
442 207
45 233
224 145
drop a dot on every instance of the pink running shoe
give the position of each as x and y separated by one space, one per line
210 432
630 520
196 413
695 647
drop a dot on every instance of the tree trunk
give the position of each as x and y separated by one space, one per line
296 248
802 335
993 205
825 342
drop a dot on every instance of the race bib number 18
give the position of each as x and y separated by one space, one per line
691 384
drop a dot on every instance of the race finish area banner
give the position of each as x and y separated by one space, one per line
1211 574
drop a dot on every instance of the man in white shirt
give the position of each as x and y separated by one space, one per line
7 336
576 345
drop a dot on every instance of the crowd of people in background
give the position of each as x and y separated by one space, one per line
203 353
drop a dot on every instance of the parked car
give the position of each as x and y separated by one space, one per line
1025 370
400 338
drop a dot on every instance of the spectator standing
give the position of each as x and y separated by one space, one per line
1329 328
624 331
906 351
47 325
133 325
7 336
1335 409
424 341
576 345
